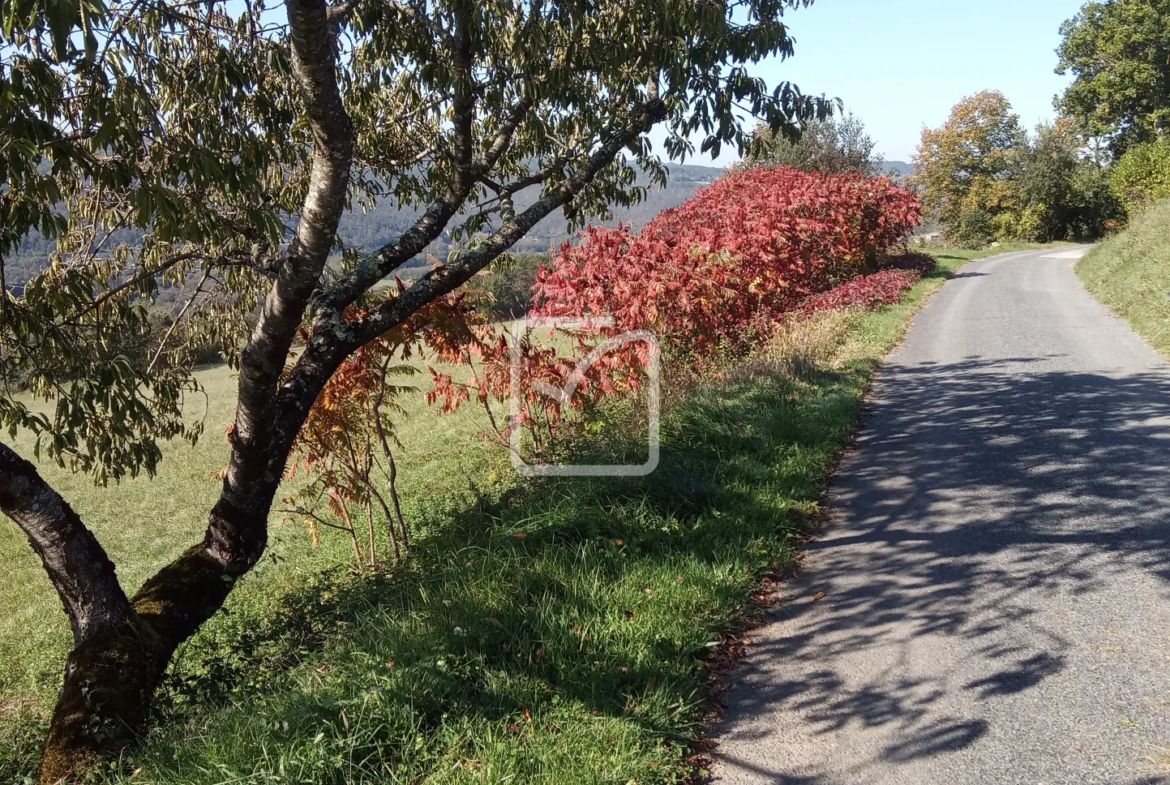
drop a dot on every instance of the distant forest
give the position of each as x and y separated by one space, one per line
373 229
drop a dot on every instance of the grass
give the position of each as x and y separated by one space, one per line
1130 273
144 523
553 631
960 255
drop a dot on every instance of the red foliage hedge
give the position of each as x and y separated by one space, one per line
715 275
724 266
870 291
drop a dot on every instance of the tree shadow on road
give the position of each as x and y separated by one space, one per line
982 496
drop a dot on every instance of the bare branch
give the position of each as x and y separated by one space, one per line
167 336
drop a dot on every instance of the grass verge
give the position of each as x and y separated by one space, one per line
1130 273
560 631
955 256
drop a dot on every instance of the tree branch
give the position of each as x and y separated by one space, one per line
429 226
78 567
135 280
262 362
330 344
443 280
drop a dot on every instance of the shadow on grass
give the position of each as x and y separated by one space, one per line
565 627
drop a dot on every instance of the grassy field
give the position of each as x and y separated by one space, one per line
144 523
553 631
1130 273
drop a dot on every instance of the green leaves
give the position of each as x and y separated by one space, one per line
1119 55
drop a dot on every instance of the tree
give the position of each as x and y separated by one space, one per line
1118 53
832 146
1065 192
234 137
963 169
505 292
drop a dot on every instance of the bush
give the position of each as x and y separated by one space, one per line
1142 176
832 146
711 280
869 292
505 291
716 273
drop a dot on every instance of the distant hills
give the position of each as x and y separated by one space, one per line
900 168
373 229
386 221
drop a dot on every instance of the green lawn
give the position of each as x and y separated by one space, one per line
1130 273
555 631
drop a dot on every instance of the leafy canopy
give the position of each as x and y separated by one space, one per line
831 146
1142 176
185 123
1118 53
962 168
985 179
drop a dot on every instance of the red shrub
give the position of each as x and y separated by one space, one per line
726 264
871 291
716 274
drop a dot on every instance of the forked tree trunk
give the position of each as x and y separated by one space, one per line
112 674
122 647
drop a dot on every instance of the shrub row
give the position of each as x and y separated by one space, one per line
869 292
711 274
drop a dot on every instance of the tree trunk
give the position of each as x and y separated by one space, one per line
122 649
104 701
111 677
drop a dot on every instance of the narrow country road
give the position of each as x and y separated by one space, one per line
997 575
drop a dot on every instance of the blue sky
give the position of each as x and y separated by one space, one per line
902 64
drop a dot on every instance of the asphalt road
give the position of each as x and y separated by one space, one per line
997 573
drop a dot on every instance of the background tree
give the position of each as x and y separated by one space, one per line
1065 192
832 146
962 169
505 290
205 127
1118 53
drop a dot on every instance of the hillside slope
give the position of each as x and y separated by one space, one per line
386 221
1130 273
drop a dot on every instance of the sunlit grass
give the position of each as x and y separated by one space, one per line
1130 273
554 631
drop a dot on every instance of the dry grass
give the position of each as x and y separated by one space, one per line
802 346
16 707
